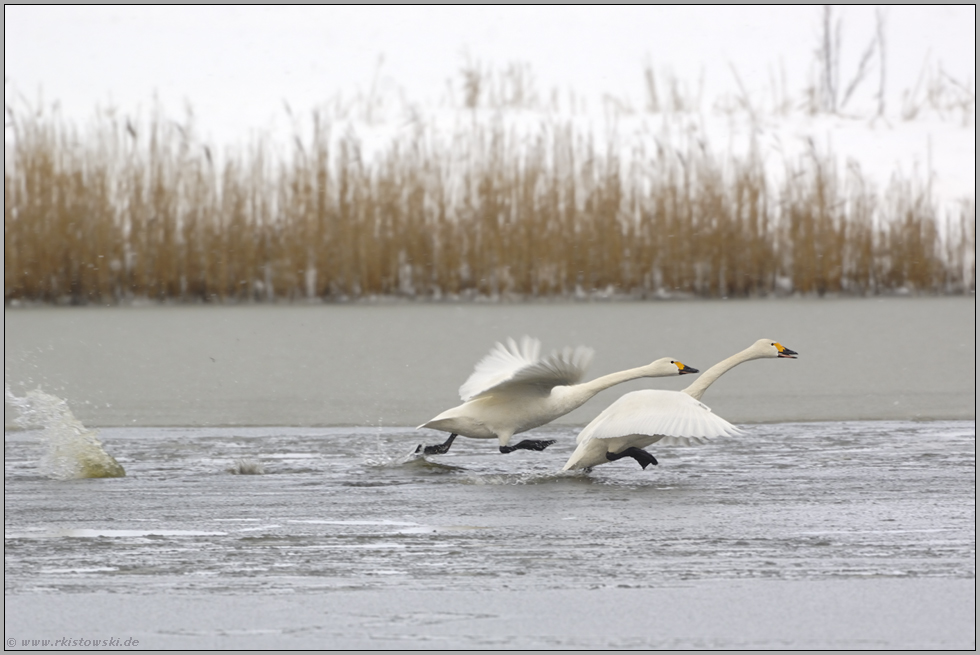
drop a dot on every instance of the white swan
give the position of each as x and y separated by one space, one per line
645 417
512 390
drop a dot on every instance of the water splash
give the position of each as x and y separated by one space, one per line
385 458
72 451
247 466
513 479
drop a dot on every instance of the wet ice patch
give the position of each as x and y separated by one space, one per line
94 533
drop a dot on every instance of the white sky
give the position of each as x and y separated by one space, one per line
236 66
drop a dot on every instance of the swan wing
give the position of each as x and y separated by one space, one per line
674 415
511 365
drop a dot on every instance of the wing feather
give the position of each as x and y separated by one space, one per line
679 418
512 365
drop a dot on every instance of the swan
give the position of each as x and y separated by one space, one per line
512 390
641 418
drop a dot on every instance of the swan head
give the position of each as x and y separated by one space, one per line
667 366
770 348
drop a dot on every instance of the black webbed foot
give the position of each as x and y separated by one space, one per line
642 457
528 444
437 450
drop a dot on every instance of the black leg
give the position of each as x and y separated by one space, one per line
528 444
438 450
642 457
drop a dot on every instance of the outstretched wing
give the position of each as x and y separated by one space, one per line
510 365
676 416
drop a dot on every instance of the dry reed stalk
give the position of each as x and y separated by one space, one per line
121 213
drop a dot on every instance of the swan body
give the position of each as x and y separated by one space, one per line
642 418
513 390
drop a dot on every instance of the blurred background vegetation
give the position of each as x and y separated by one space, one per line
514 199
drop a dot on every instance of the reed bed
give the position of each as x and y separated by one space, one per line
121 211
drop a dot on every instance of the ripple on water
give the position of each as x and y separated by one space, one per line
783 501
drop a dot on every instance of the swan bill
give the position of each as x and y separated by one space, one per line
785 352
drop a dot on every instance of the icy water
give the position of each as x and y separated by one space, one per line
819 535
811 530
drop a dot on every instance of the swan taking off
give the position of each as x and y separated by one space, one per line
642 418
512 390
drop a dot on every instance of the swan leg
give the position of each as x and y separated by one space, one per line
642 457
528 444
440 449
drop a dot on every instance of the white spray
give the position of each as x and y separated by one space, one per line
72 451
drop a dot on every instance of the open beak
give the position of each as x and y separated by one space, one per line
685 369
785 352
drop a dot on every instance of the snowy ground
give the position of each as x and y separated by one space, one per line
742 72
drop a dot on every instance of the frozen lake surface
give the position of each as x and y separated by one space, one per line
400 364
811 530
794 535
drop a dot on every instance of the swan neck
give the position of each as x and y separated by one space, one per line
588 389
706 379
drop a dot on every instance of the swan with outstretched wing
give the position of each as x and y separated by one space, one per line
643 418
513 390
